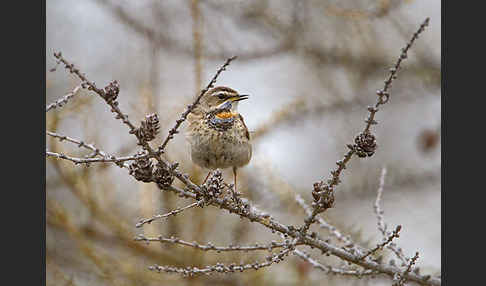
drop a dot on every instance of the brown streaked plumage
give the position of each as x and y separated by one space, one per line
217 133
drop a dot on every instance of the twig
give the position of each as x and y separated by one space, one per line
111 159
387 241
210 247
364 143
244 209
255 215
383 94
300 109
80 143
332 270
194 104
172 213
60 102
376 207
222 268
403 277
382 227
96 152
109 94
324 224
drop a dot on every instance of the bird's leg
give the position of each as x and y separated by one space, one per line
234 176
206 178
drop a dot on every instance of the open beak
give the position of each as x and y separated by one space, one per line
239 97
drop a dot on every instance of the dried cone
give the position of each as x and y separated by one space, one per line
365 144
163 177
141 169
149 128
112 90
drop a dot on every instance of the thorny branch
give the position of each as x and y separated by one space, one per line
212 194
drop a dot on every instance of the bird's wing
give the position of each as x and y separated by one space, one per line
247 134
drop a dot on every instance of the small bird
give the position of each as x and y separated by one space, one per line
217 133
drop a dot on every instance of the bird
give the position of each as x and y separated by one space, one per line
217 133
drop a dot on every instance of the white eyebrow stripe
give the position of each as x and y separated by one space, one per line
226 93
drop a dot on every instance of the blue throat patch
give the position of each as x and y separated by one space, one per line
220 124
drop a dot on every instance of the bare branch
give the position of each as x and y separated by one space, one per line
332 270
403 277
324 224
109 94
172 213
383 94
194 104
382 227
105 158
222 268
60 102
365 143
217 193
254 215
387 241
111 159
81 144
376 207
210 247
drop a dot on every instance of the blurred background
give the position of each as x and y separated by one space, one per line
311 68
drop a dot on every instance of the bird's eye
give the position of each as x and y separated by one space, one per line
221 96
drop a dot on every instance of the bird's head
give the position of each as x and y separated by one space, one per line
222 102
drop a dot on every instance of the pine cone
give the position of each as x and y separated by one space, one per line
149 128
141 169
112 90
365 144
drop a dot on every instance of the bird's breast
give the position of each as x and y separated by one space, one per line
219 147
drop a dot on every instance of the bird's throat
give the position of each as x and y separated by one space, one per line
221 121
225 115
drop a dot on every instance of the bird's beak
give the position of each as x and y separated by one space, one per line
239 97
228 104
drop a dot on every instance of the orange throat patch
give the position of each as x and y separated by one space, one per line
226 115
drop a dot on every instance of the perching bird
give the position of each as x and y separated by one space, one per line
217 133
